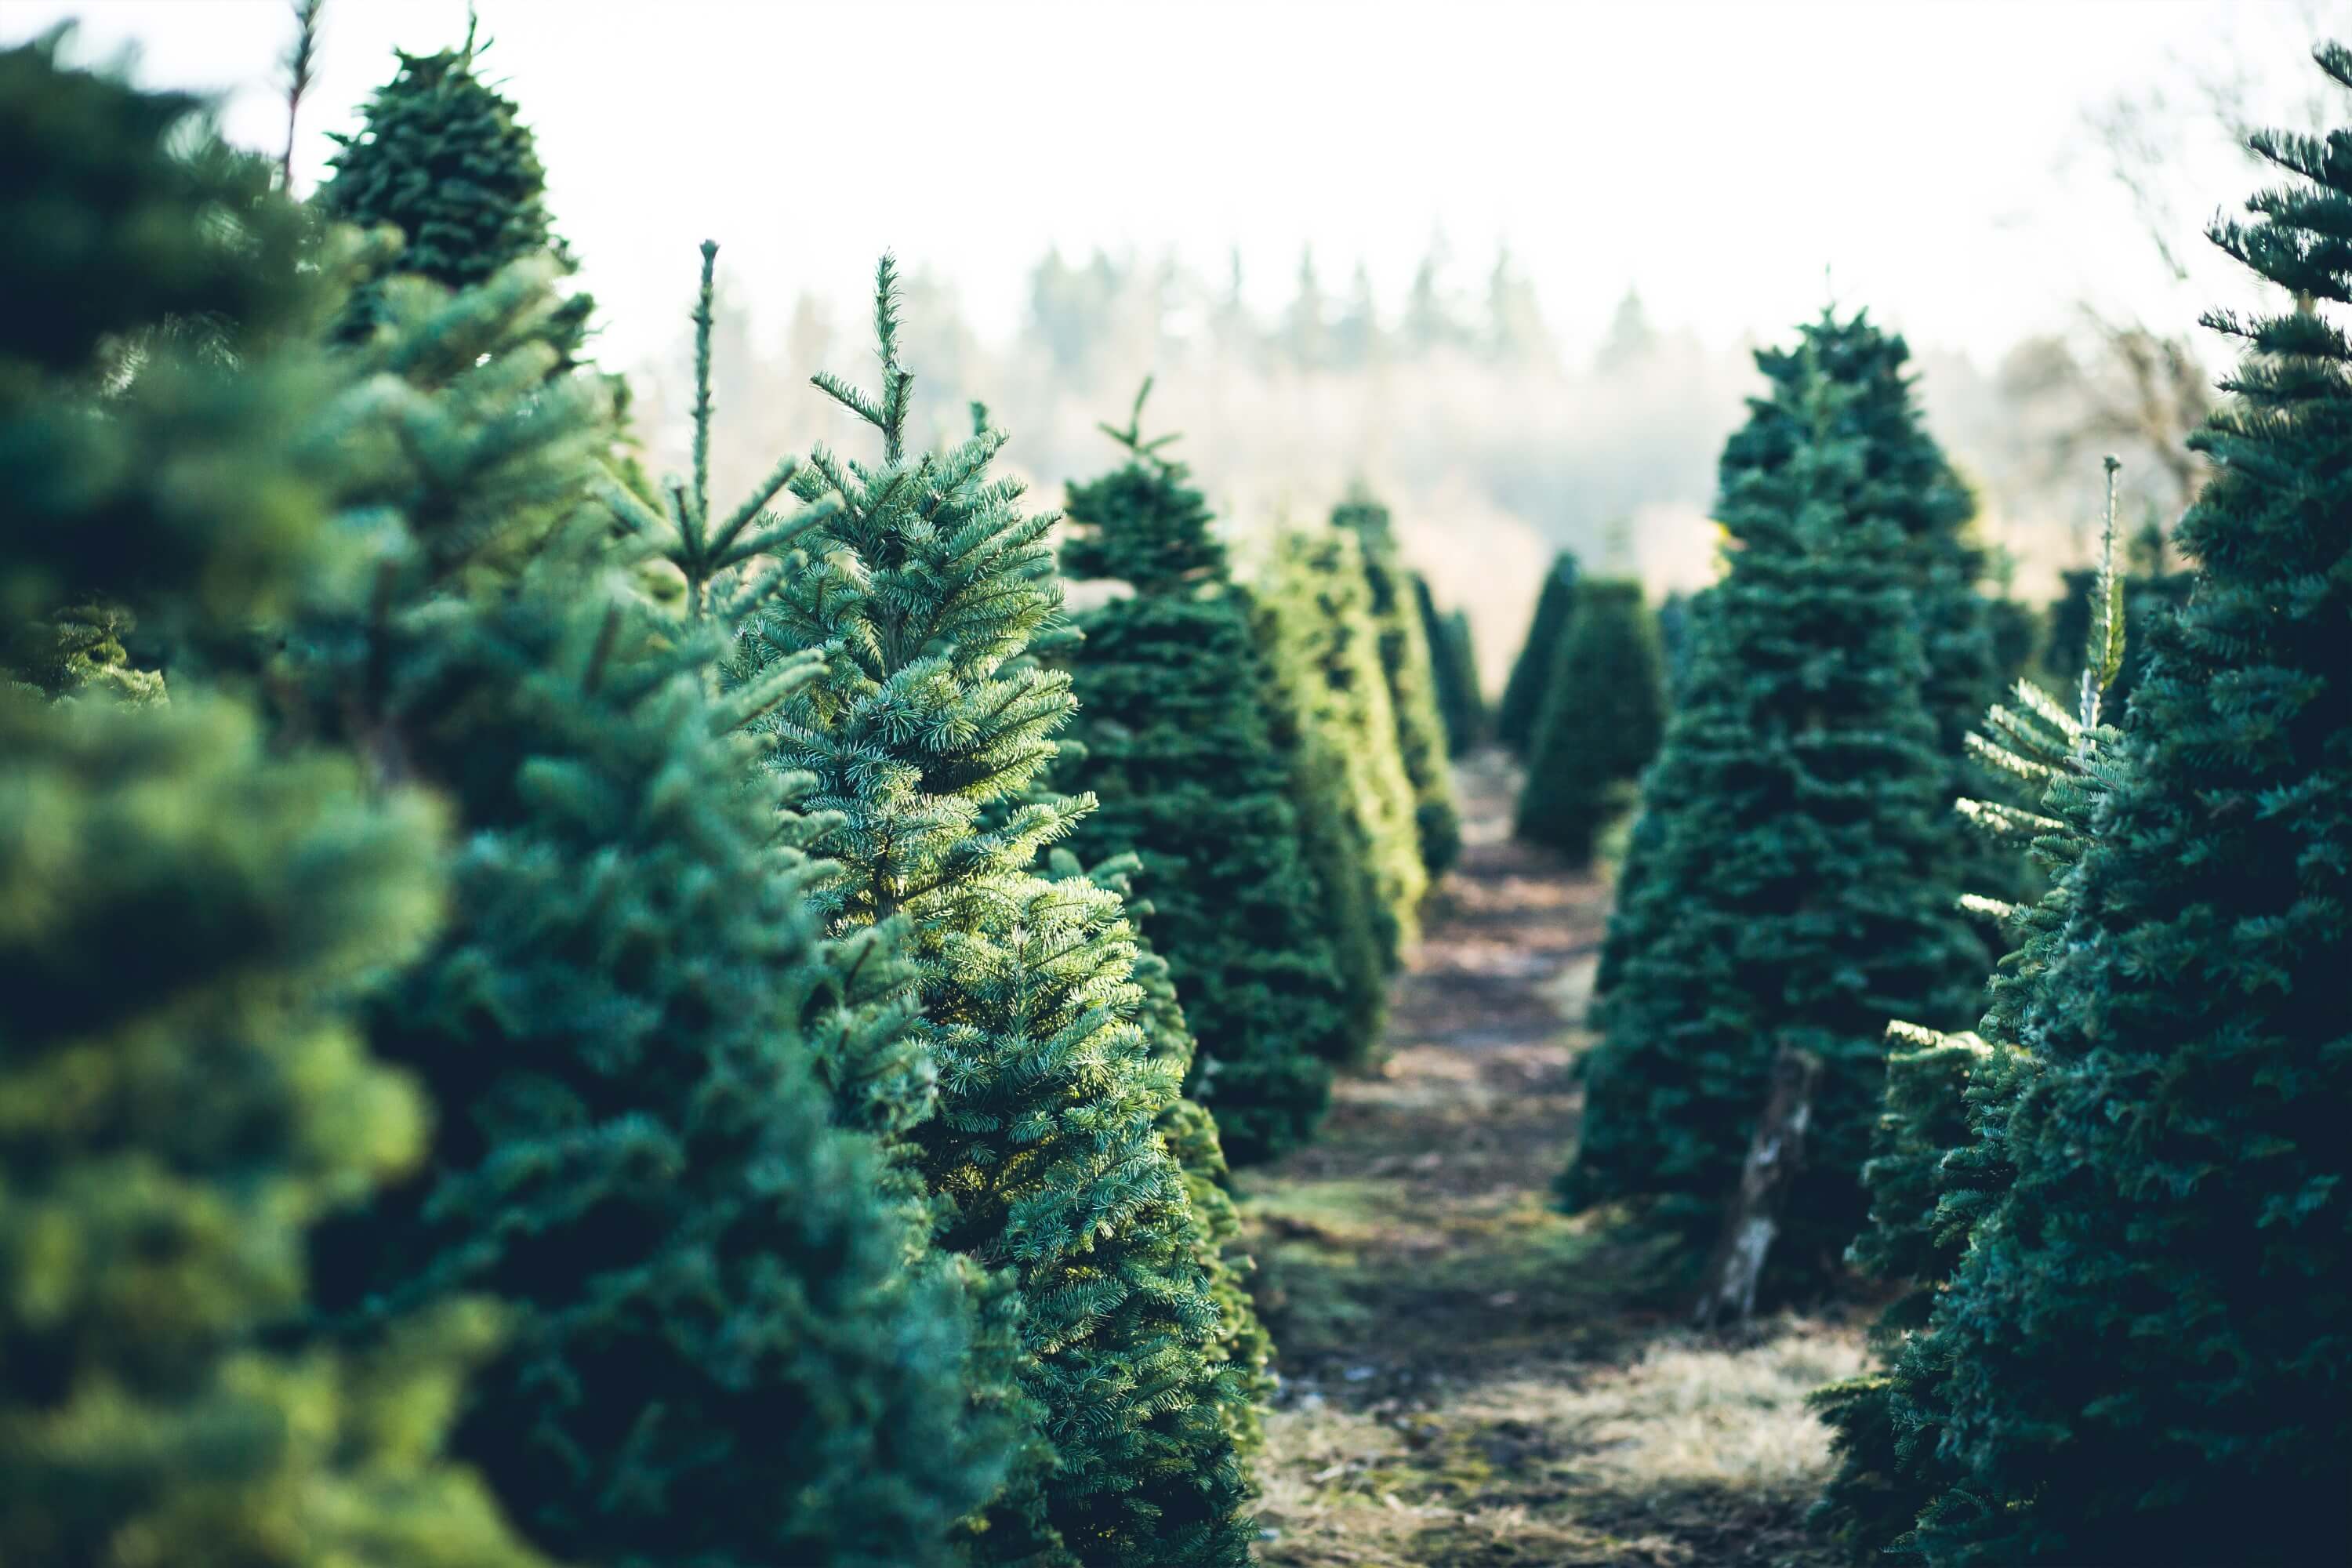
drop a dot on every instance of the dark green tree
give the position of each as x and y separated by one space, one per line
1453 666
728 1344
1939 1161
189 909
1355 804
1523 693
1604 713
2147 1337
1790 884
441 156
925 584
1176 745
1406 659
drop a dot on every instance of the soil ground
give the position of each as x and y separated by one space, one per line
1471 1380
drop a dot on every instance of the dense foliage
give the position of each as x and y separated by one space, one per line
2147 1334
1406 660
1790 885
441 156
925 584
1453 669
1523 693
1175 742
1604 715
1354 800
189 912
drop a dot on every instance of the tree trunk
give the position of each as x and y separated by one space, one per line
1752 1218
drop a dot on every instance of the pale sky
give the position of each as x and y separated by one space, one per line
1929 154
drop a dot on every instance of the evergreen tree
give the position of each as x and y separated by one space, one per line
188 913
2150 589
728 1343
1176 745
1523 694
1354 801
1906 480
1789 885
925 584
1604 710
1453 666
2147 1337
441 156
1406 660
1938 1157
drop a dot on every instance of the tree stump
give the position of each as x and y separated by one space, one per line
1752 1218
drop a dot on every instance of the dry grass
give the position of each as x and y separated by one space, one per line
1473 1380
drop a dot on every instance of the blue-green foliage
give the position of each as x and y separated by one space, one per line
1790 882
2141 1357
190 908
924 583
1175 742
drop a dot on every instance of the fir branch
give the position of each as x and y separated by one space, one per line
301 62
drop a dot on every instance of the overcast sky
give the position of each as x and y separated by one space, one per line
1930 154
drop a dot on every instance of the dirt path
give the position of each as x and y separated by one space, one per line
1471 1380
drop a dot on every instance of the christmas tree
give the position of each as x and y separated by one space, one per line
441 156
925 584
2146 1336
1789 885
728 1344
190 908
1405 658
1939 1160
1454 665
1604 709
1176 745
1355 803
1523 693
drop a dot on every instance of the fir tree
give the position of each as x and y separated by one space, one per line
728 1342
1938 1157
2147 1337
189 909
1604 709
1176 745
1788 888
1405 658
2150 588
1523 694
925 584
1453 666
441 156
1355 803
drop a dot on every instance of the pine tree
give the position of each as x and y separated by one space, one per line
1175 743
1939 1160
1604 710
727 1341
1405 659
2147 1338
1523 694
925 584
1355 803
189 909
1454 665
2150 588
441 157
1790 886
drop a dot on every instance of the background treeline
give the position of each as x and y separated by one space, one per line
564 1016
2116 1206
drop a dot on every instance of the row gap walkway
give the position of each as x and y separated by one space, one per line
1471 1380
